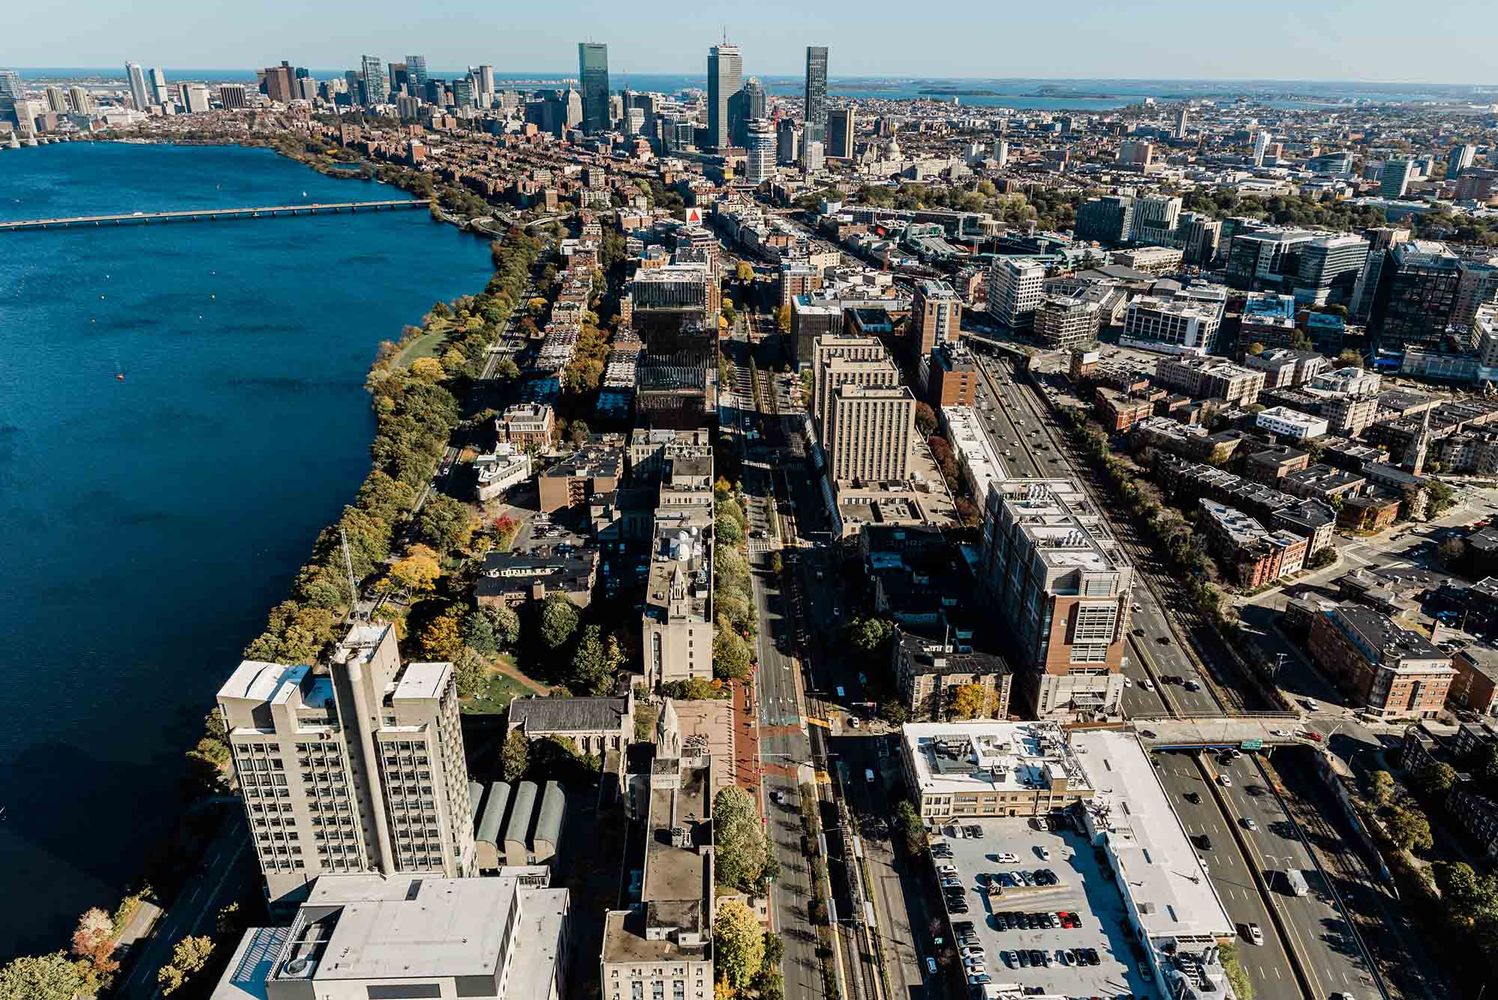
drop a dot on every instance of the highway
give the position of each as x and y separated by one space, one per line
1317 933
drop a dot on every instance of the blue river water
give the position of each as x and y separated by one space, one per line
148 524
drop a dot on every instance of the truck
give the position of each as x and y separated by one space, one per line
1296 881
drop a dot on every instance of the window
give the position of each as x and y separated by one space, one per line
1095 622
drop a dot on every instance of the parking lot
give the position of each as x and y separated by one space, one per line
1083 890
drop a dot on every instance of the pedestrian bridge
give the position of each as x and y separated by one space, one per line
213 214
1247 732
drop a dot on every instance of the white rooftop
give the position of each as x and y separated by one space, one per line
989 756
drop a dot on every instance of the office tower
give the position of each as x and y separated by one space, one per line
1063 322
1416 298
1394 182
840 133
10 84
195 97
306 88
1197 235
1335 162
1061 590
1459 159
485 75
868 434
463 92
1154 219
232 95
398 76
816 93
1015 288
280 83
416 73
760 146
572 102
812 157
358 768
1261 146
157 87
57 102
743 108
1180 131
935 316
1105 220
787 143
1328 269
376 89
81 100
725 75
593 76
1380 240
139 96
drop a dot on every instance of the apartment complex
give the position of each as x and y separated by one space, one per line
1385 668
1062 589
935 316
1210 378
930 671
1176 326
1015 289
868 433
355 768
1064 322
846 360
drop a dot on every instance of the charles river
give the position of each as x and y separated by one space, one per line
147 524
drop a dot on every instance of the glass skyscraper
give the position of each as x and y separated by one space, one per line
376 90
593 77
416 72
816 94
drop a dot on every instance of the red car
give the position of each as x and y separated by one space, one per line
1313 736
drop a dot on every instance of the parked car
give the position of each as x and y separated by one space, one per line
1006 858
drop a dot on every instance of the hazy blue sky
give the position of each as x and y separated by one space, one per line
1453 41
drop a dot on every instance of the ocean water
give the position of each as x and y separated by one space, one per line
148 524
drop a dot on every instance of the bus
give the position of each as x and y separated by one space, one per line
1296 881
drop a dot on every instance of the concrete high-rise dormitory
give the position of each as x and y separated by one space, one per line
355 767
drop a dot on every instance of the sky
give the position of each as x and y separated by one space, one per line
1453 41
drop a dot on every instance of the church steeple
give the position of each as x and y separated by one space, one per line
668 731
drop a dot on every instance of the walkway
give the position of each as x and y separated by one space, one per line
212 214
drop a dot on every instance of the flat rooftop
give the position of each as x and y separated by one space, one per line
990 757
1160 869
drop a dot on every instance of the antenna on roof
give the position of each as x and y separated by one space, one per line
348 565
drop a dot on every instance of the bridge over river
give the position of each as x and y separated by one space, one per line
214 214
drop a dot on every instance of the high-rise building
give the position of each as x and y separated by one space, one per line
376 88
356 768
280 83
81 100
839 360
1105 220
816 93
1153 221
1015 288
485 76
1459 159
744 107
1261 146
1328 269
10 84
1181 121
416 73
139 95
787 143
868 433
57 101
464 92
760 146
156 85
1136 153
1197 235
813 157
1063 322
935 316
1416 299
840 133
232 96
1394 182
195 97
593 76
1062 588
1380 240
725 77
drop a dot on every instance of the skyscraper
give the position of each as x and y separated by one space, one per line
744 107
280 83
416 71
137 78
1459 159
840 133
593 75
10 84
158 86
1394 182
485 76
57 102
760 143
816 93
725 75
355 768
376 89
1261 146
81 100
1180 132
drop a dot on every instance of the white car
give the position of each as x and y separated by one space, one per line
1044 853
1225 781
1006 858
1255 934
1147 684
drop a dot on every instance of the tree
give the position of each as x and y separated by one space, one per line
469 672
93 939
777 563
592 667
783 319
970 702
40 977
447 524
1451 552
1468 896
912 829
188 958
428 370
1435 779
1381 788
1350 358
442 639
730 653
868 636
744 272
925 419
738 840
515 757
1409 829
419 571
558 622
577 433
739 944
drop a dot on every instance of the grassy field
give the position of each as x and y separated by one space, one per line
498 690
424 346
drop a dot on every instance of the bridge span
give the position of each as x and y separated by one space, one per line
213 214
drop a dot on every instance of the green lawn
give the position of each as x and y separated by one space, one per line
424 346
496 695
